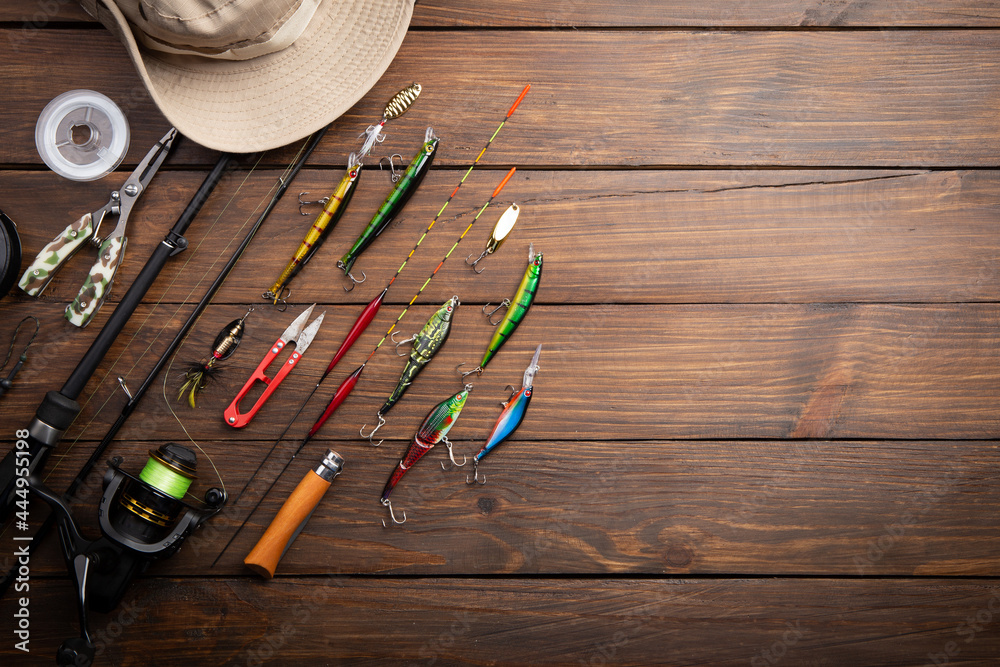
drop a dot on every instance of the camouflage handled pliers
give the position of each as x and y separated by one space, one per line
112 247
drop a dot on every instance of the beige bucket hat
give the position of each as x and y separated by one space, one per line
250 75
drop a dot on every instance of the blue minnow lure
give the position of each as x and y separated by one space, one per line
514 409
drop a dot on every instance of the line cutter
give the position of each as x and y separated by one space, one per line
112 247
296 333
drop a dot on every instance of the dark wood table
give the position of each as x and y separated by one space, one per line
766 422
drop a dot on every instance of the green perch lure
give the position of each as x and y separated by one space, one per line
392 205
517 308
425 345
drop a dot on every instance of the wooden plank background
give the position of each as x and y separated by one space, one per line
766 423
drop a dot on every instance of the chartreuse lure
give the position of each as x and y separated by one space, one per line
425 345
432 431
517 308
393 204
514 409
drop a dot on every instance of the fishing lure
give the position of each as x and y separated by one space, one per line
197 376
432 431
392 205
518 308
425 345
501 231
7 382
336 204
333 211
514 409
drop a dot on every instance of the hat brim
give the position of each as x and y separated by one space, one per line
244 106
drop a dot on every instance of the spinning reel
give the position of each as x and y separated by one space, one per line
142 519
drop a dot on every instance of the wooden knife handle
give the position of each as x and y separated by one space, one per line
292 516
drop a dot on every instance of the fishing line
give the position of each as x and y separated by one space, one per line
183 303
402 266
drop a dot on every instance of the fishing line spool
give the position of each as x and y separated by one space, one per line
142 519
82 135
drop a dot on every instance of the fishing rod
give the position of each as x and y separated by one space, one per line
59 408
371 310
283 182
347 386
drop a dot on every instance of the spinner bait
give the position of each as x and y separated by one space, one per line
197 376
392 205
501 231
425 345
517 309
432 431
514 409
333 210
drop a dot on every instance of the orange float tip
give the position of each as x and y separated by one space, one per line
504 181
518 100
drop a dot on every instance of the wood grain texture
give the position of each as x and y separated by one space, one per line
608 371
37 14
877 99
341 620
766 425
733 236
762 508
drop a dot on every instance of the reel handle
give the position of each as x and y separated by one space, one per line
293 516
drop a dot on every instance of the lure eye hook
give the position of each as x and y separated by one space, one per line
402 342
473 264
451 455
392 515
395 174
303 202
475 477
489 316
381 423
355 281
478 370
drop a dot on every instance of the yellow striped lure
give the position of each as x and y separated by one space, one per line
335 205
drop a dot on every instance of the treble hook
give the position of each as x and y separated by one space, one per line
408 340
475 470
473 264
513 391
381 423
324 201
355 281
279 299
489 316
451 455
396 174
392 515
478 370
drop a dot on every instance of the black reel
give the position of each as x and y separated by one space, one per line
142 519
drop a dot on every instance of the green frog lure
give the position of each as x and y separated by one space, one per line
517 308
426 343
432 431
197 376
392 205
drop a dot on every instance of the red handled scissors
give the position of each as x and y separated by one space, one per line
296 333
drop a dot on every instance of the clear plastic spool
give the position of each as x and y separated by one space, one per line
82 135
